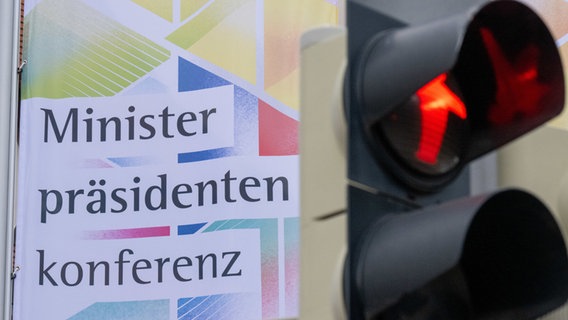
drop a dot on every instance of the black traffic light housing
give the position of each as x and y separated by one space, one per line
422 102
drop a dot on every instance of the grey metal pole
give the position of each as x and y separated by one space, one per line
9 36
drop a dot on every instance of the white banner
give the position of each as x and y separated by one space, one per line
158 174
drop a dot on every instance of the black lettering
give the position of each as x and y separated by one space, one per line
136 195
180 123
119 200
270 189
180 189
89 126
161 262
104 125
201 191
44 210
181 262
72 194
243 188
206 113
49 121
100 201
227 181
79 273
130 121
161 192
201 262
136 267
165 122
121 263
140 271
227 270
44 272
150 128
93 267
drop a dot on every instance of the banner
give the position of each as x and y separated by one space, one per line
158 174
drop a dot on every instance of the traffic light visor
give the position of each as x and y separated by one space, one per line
501 255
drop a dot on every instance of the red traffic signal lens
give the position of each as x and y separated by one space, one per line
510 75
518 89
429 131
436 102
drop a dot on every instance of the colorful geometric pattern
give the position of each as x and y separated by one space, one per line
275 133
190 228
132 233
191 7
129 310
192 77
91 57
268 255
292 265
215 307
223 33
222 26
162 8
118 162
278 133
269 261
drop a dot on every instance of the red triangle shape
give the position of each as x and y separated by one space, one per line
278 133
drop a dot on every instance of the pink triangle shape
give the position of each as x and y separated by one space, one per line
278 133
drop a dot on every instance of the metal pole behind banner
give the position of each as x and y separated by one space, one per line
9 13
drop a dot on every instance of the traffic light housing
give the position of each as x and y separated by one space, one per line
422 101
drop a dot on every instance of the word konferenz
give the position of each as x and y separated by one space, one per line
142 271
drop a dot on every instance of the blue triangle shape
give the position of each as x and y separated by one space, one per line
192 77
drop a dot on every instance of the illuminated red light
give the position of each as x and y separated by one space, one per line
519 92
436 101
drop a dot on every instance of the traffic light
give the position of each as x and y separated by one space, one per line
423 99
